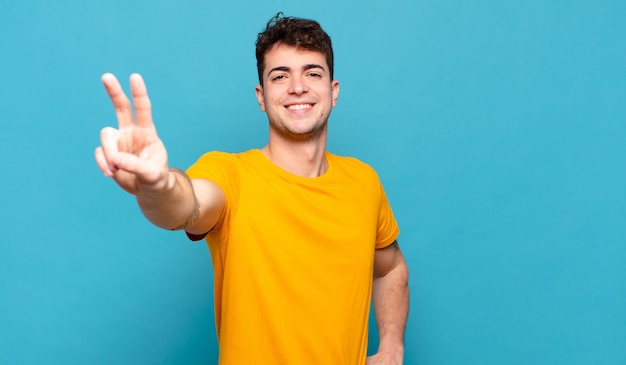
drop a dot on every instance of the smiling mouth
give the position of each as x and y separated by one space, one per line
299 106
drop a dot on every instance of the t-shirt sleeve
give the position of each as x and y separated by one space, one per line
218 167
388 229
222 169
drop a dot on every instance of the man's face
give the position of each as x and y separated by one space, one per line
297 93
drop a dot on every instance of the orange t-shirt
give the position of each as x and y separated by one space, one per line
293 259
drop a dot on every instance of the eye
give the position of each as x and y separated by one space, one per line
315 75
278 77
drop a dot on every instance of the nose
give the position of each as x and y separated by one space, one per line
298 86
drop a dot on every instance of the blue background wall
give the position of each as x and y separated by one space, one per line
497 128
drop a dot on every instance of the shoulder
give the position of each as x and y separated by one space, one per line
223 156
219 158
218 165
352 165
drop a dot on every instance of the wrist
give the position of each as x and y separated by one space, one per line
395 349
173 176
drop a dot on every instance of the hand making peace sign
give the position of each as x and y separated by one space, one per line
132 154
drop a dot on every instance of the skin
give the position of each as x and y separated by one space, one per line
298 96
390 295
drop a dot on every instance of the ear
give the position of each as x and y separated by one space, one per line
334 91
259 97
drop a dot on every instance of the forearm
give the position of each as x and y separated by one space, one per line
391 305
173 207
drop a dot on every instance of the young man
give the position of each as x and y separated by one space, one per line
301 239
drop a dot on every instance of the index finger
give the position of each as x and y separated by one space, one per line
119 100
143 108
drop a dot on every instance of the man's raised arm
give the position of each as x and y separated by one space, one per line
135 157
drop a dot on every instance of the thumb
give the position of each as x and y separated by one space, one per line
129 163
146 172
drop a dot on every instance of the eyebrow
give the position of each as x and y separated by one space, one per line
306 67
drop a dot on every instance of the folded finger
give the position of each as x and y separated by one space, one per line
109 140
103 165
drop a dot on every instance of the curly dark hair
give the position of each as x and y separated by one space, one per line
301 33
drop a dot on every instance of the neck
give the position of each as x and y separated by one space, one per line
304 159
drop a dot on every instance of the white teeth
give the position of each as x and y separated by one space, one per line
299 106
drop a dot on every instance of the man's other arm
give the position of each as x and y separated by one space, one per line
391 304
